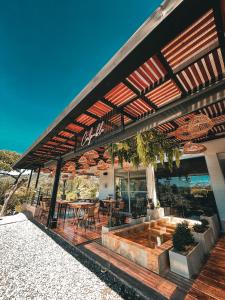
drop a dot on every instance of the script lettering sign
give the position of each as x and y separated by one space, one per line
92 134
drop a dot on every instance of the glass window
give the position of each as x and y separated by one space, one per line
186 195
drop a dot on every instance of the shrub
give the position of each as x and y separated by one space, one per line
208 211
201 227
182 237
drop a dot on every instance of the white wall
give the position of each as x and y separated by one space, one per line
151 185
106 183
216 175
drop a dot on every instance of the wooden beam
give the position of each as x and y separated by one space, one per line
141 96
218 12
120 110
170 72
191 103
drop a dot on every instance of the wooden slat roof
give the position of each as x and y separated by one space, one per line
165 65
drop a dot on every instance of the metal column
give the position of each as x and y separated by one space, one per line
54 194
37 179
29 181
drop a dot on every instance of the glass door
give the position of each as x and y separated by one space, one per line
132 188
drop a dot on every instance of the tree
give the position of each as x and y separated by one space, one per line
7 160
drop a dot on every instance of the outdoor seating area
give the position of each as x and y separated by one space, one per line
135 166
81 220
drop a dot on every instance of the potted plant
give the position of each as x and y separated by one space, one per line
156 212
203 234
213 221
186 255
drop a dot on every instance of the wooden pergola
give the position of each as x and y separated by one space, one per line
172 68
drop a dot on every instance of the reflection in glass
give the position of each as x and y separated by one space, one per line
132 188
187 196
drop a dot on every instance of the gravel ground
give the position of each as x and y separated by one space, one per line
33 266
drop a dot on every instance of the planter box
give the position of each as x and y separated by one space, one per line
205 239
186 265
214 224
154 259
140 220
106 229
167 211
156 213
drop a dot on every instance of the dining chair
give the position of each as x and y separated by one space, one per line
97 211
88 217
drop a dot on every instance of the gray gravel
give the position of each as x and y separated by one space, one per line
33 266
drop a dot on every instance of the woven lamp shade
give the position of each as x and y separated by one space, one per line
91 162
92 154
83 160
102 165
193 148
200 124
84 167
183 133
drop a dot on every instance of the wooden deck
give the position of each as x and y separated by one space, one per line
78 235
210 284
153 281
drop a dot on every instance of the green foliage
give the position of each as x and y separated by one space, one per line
201 227
182 237
208 211
147 147
80 187
5 185
7 159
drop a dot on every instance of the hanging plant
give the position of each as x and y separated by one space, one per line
146 148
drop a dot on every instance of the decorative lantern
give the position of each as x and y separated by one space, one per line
91 162
200 124
92 154
102 165
83 160
183 133
72 168
84 167
193 148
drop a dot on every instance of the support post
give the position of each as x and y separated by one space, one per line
29 181
54 193
28 186
37 179
151 185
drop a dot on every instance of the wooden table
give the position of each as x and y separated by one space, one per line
79 207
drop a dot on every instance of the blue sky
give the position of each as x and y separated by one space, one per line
49 50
